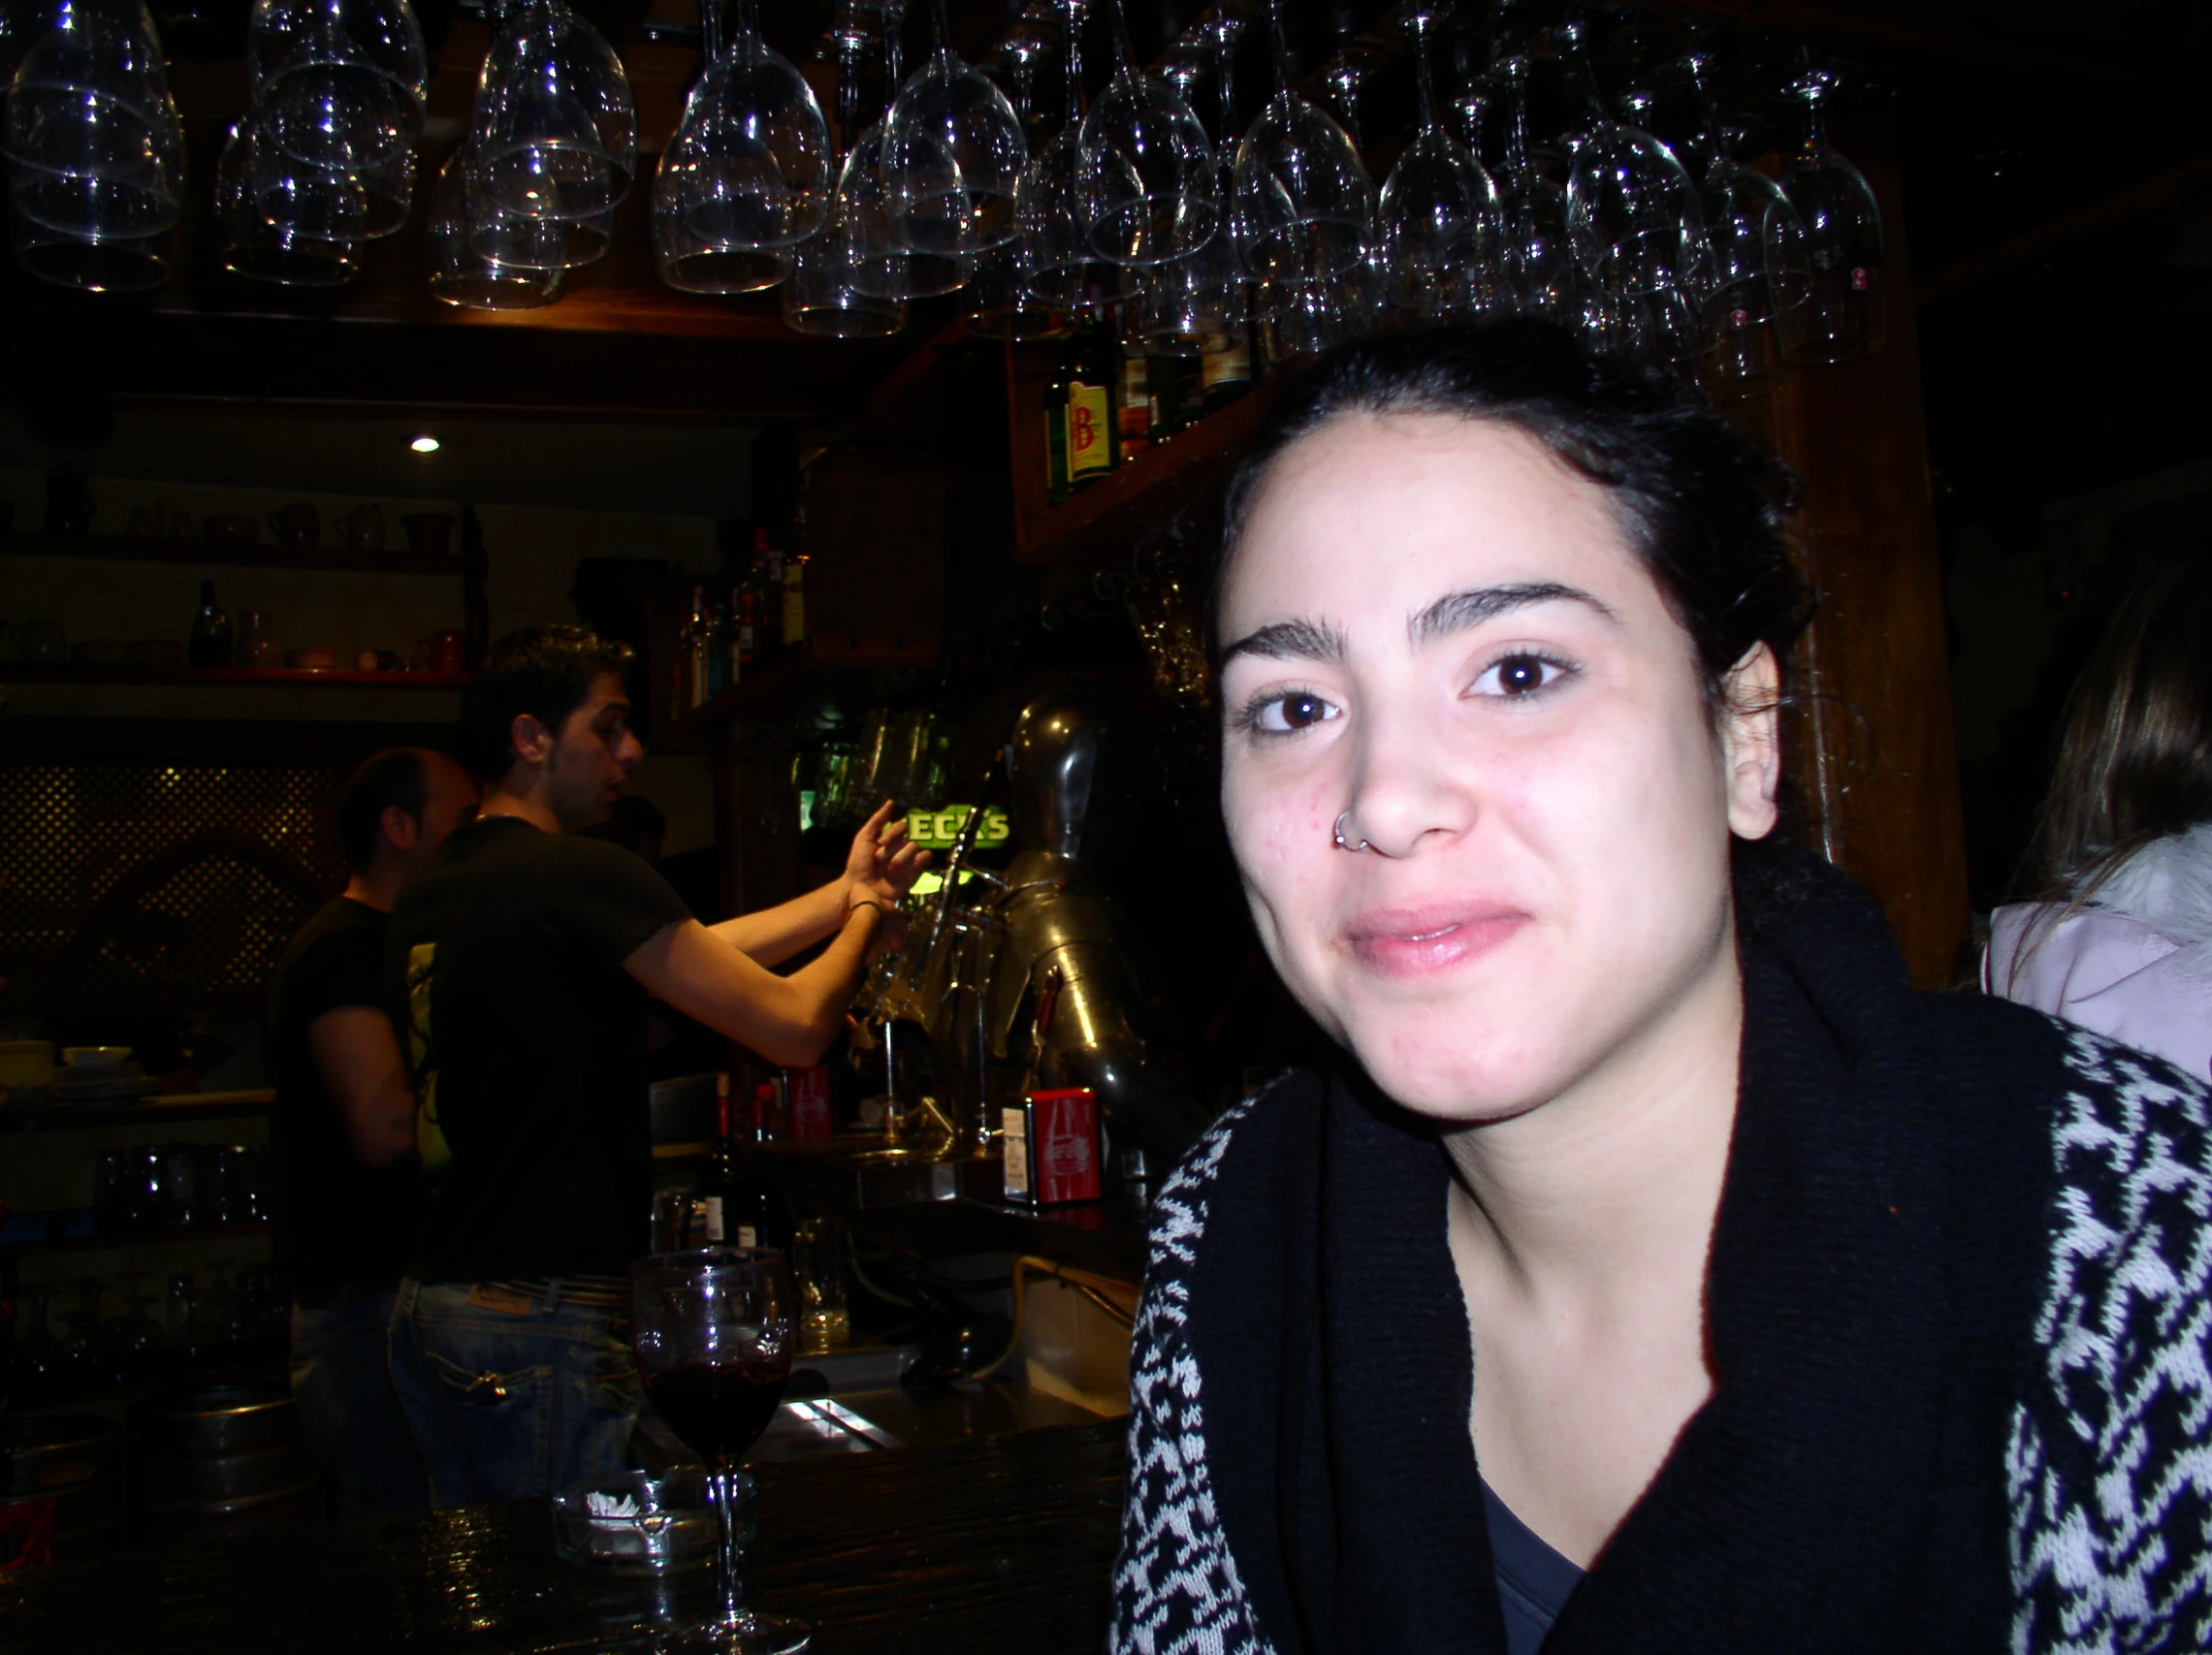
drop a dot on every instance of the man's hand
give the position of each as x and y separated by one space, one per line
882 864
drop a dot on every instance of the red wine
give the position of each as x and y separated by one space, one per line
719 1409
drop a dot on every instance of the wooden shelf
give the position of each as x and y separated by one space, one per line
223 554
692 732
267 678
24 1116
1107 518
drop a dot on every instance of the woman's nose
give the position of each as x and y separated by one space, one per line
1409 787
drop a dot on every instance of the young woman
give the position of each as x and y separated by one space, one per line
1657 1270
2117 935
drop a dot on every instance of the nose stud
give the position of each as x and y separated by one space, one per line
1344 844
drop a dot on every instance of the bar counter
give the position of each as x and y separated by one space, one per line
966 1548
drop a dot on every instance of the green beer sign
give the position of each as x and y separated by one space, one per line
937 829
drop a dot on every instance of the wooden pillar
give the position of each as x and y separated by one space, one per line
1876 751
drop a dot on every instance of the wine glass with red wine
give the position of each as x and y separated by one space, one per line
714 1331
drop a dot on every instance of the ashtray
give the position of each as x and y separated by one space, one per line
637 1523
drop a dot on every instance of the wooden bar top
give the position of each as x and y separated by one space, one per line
970 1547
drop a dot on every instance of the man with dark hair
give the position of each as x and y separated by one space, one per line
520 965
344 1130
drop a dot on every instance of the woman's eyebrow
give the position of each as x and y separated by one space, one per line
1456 611
1290 640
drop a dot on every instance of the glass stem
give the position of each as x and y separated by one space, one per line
940 28
734 1612
1124 55
1074 63
1279 43
1224 57
1421 81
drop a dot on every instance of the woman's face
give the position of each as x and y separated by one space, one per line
1434 626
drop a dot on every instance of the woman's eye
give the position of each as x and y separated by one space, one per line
1282 715
1520 675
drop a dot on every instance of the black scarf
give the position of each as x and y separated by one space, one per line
1874 1270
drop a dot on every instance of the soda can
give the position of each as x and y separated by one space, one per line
1052 1147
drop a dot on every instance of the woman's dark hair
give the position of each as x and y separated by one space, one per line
396 778
2135 756
545 671
1703 507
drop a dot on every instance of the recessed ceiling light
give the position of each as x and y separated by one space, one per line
423 445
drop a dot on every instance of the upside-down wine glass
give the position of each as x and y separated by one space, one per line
1438 210
284 221
1150 191
952 149
1047 199
836 272
1539 258
97 147
339 84
1631 207
1303 203
746 176
885 265
460 272
1841 315
1193 305
555 128
714 1331
1001 300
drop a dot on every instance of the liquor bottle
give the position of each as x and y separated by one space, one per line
794 601
768 587
718 651
1174 382
1078 406
741 1211
210 641
1226 374
691 655
745 601
1133 413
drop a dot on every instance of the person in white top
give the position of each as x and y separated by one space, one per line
2117 933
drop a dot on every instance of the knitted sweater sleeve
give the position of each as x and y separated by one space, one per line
1175 1584
2109 1472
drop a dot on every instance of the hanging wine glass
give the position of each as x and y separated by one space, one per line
462 276
952 149
339 83
1542 271
1306 317
1438 210
1631 207
1196 304
828 290
1048 211
97 147
555 130
1150 190
1841 315
885 266
258 243
1001 300
1303 199
748 168
1758 268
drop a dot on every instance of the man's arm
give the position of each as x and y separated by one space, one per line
881 866
790 1021
358 1057
774 935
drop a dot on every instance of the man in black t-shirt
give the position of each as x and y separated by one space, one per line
518 966
344 1130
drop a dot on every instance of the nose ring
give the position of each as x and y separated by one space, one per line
1344 844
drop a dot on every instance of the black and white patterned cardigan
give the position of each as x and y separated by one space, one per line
2108 1468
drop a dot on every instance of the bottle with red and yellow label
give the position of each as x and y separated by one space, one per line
1081 441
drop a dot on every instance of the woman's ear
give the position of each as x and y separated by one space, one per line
1751 741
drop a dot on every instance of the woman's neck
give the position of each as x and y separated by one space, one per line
1584 1204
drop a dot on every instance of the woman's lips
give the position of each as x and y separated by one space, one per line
1413 942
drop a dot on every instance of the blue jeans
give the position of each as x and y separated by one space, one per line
511 1394
342 1386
